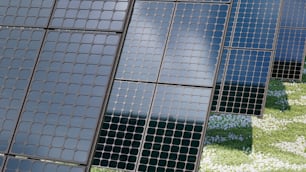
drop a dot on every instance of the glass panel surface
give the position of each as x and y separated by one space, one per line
63 105
176 126
123 125
145 41
25 12
18 53
293 14
244 82
194 44
27 165
290 54
90 14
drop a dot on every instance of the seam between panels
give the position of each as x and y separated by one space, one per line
110 83
141 147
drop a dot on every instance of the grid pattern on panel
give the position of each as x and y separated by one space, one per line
123 126
145 41
90 14
173 137
65 97
243 90
290 53
255 23
18 52
293 14
194 44
25 13
27 165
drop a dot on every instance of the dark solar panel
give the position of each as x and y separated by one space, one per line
90 14
290 53
62 108
18 52
174 136
123 126
194 44
26 165
145 41
25 13
242 87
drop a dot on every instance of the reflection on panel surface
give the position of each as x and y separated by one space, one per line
176 125
293 14
90 14
25 12
244 81
123 125
194 44
145 41
254 23
62 108
18 52
290 53
26 165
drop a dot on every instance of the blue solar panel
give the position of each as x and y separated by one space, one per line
293 14
254 23
63 105
90 14
25 13
194 44
242 87
26 165
18 53
290 54
1 162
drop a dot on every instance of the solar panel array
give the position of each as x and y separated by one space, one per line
291 41
246 61
130 84
56 66
158 107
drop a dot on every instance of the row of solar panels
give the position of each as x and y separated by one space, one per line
57 75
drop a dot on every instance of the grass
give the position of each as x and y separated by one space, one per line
275 143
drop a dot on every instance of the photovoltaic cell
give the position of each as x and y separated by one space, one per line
123 126
145 41
27 165
293 14
194 44
25 13
90 14
18 53
244 81
173 137
254 23
290 53
63 105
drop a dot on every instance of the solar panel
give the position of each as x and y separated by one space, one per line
291 44
90 14
175 130
246 61
18 52
1 162
62 108
290 53
123 126
26 165
25 13
194 44
242 88
145 41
